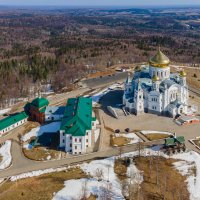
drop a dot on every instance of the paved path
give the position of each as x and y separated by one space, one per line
25 165
141 136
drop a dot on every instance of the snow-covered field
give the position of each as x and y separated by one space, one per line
49 128
189 161
73 189
4 111
6 155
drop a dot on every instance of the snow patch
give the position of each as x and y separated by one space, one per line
6 155
4 111
108 183
190 161
132 136
49 128
36 173
157 132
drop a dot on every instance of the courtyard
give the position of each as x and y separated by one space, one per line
146 121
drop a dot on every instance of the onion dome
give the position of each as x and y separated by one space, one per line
155 78
40 102
159 60
183 73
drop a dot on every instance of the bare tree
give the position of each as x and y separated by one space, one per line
99 174
106 192
84 191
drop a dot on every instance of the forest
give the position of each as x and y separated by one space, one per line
56 46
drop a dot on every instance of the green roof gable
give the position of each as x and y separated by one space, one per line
180 139
169 141
40 102
78 116
8 121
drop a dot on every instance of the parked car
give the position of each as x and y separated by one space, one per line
127 130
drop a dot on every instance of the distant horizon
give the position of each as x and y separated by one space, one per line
99 3
102 6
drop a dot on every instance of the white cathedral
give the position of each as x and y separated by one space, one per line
155 90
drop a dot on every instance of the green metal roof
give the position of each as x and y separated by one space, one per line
40 102
169 141
8 121
180 139
43 110
78 116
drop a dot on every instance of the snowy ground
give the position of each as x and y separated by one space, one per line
190 160
73 189
4 111
6 155
157 132
49 128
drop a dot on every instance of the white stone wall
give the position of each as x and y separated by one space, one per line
10 128
77 144
62 138
162 73
155 102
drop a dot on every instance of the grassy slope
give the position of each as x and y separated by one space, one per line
38 188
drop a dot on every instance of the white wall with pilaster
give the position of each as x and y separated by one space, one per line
162 73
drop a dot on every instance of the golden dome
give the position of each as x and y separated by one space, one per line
155 78
183 73
159 60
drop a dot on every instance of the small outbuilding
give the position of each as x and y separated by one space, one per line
36 109
9 123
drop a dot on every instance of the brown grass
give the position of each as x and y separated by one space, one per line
119 141
28 127
197 142
156 136
92 197
168 177
41 153
41 187
194 82
120 168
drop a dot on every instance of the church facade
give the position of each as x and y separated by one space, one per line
154 89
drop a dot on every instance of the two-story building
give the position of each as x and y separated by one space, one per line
77 125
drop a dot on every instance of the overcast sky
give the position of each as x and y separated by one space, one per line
100 2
